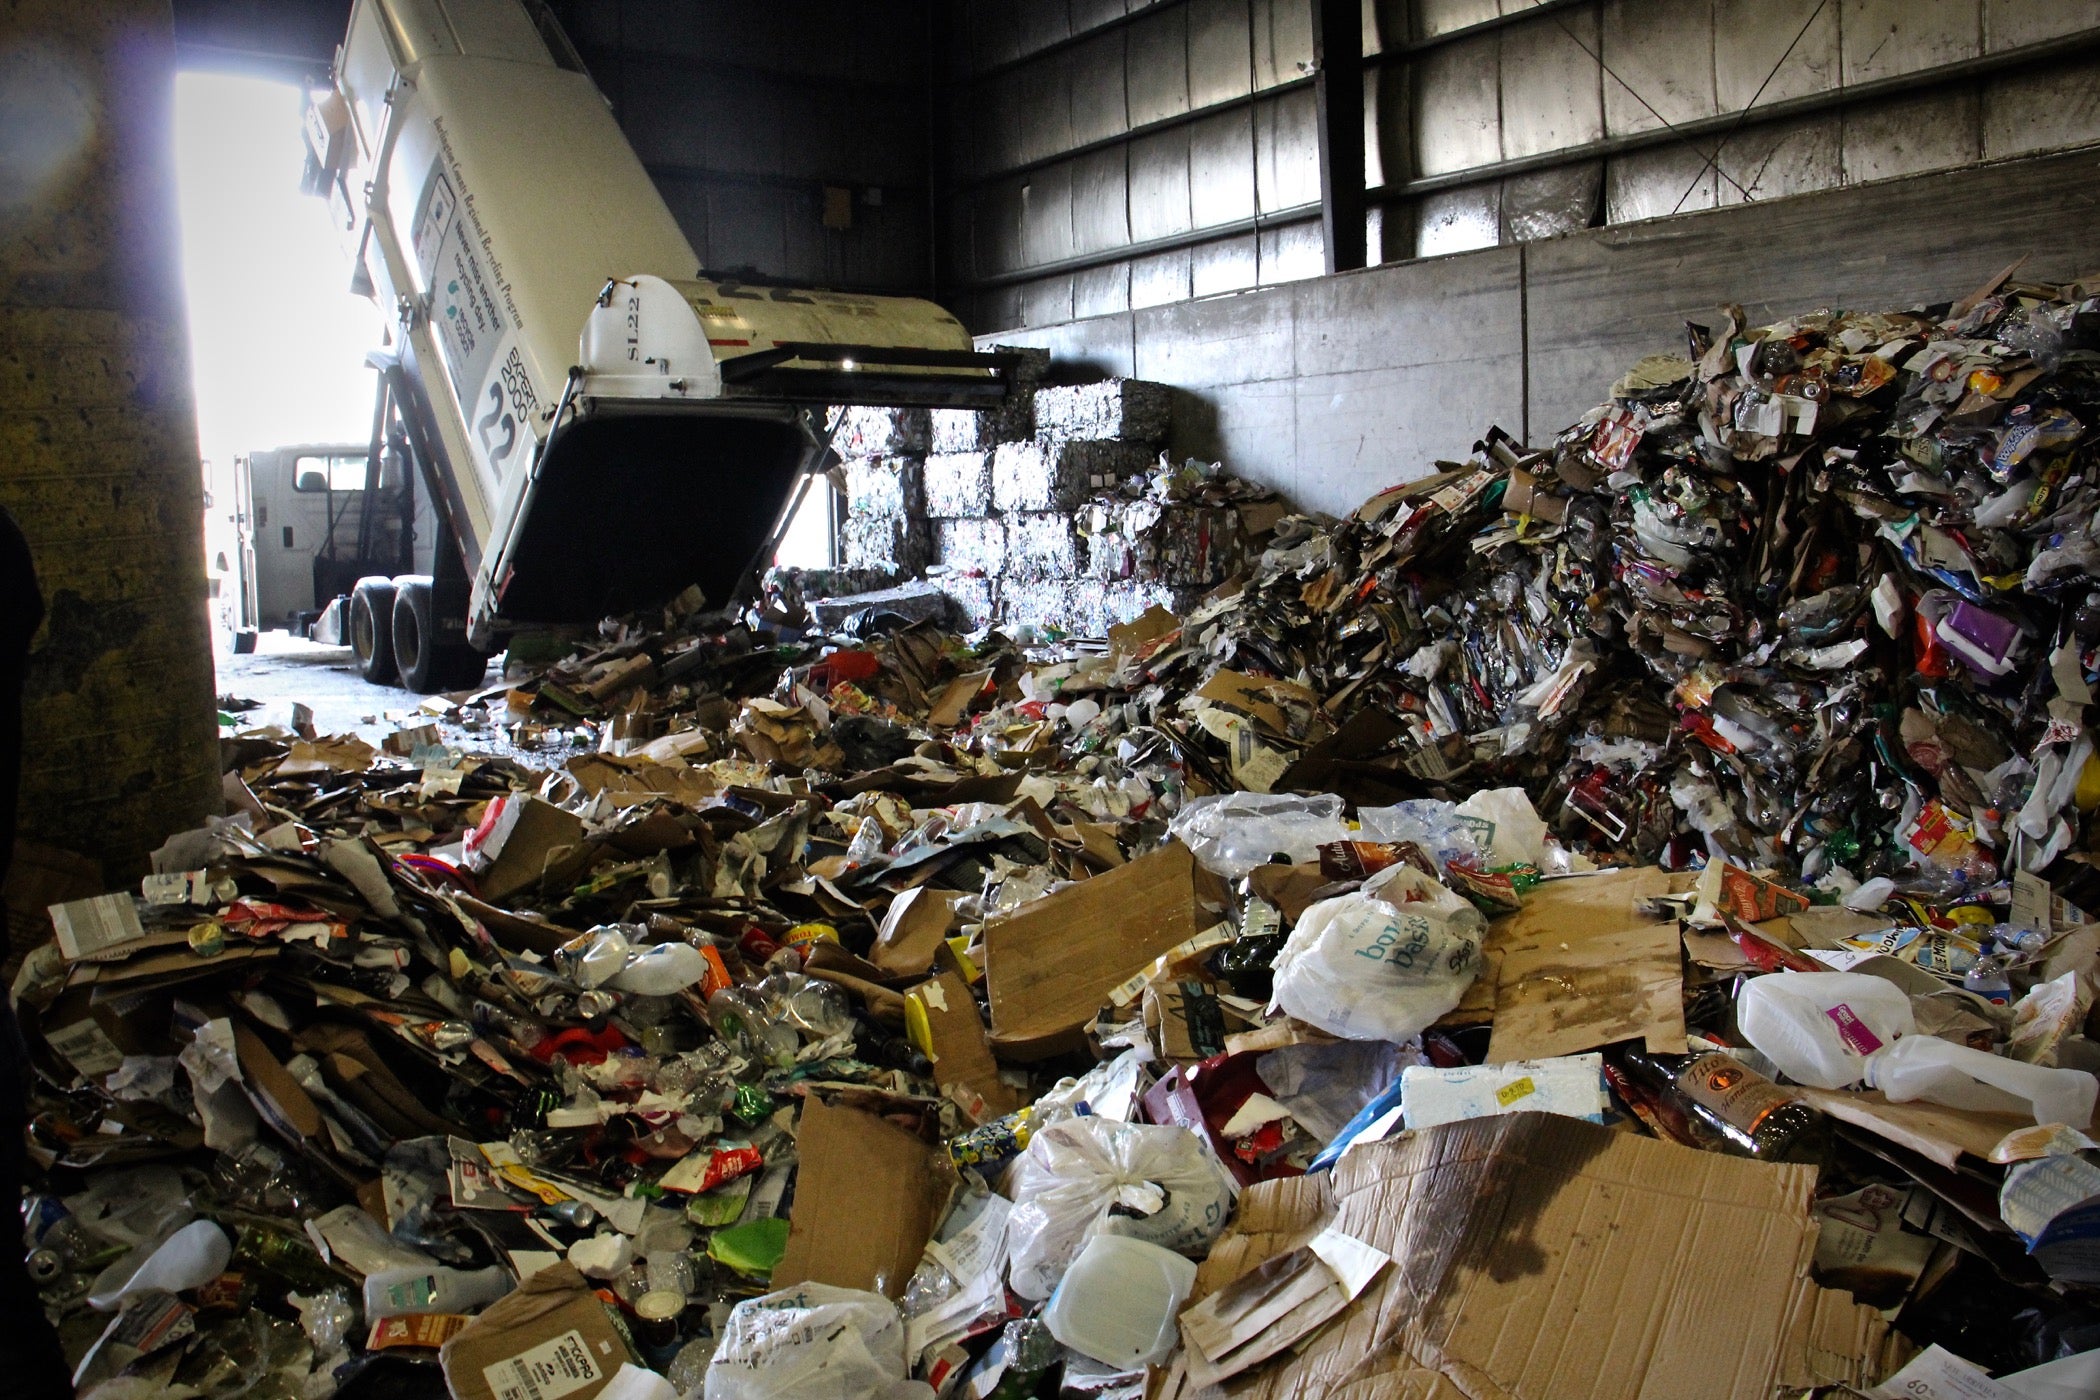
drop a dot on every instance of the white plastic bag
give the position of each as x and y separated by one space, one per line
1515 832
1383 962
1230 835
1089 1176
813 1342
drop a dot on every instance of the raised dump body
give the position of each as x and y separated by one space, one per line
599 424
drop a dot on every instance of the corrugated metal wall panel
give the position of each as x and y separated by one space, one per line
1282 41
1101 201
1286 152
1884 38
1158 65
1779 159
1159 185
1660 54
1221 168
1486 121
1552 89
2042 110
1458 106
1220 57
1928 131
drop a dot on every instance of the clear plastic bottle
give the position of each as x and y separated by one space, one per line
1988 980
660 970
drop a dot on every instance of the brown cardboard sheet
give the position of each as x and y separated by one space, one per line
551 1339
1053 962
1579 968
1537 1257
868 1195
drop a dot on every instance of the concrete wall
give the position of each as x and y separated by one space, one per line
745 114
1106 155
1332 388
98 442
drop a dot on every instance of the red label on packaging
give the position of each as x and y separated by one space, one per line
1853 1031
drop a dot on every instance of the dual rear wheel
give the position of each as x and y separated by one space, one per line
394 634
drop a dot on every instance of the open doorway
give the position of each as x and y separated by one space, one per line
277 339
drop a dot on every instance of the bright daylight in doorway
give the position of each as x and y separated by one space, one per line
277 339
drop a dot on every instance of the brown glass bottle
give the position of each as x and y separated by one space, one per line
1726 1103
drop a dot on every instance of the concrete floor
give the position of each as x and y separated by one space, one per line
283 670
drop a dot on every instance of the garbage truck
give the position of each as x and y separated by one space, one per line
599 423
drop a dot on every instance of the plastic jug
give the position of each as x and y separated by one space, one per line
1819 1027
1926 1067
400 1292
660 970
1119 1300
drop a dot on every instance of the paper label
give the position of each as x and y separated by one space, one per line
86 1048
547 1372
1938 1374
415 1330
1718 1083
1853 1031
2030 901
1514 1090
410 1294
96 929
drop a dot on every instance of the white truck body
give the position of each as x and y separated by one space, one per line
605 426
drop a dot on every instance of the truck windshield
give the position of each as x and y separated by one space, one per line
328 474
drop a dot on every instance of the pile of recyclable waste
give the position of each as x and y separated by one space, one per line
1605 919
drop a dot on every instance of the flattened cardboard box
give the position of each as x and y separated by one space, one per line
538 837
1579 968
1537 1257
1053 962
868 1195
552 1339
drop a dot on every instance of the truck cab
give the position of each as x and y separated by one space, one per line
306 524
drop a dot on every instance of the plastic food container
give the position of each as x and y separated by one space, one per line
1119 1300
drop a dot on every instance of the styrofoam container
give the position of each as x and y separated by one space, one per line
1119 1301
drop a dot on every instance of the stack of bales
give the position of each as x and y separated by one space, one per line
1089 439
883 450
1028 513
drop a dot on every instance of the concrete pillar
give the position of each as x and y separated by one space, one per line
98 439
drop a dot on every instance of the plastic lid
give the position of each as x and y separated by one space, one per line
659 1305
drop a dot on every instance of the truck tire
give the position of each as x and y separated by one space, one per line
427 665
372 628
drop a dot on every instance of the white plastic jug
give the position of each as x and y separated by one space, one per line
399 1292
1119 1301
1926 1067
659 970
1819 1027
